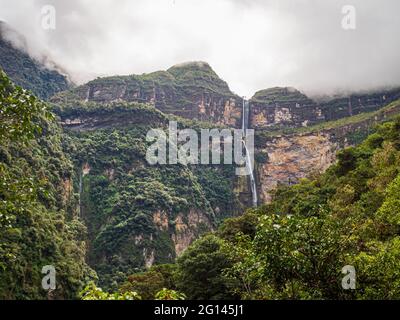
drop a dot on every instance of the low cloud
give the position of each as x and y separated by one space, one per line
252 44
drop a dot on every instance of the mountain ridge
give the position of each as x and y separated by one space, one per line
193 90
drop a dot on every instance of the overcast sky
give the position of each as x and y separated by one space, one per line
251 44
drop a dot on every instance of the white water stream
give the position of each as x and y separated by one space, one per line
249 168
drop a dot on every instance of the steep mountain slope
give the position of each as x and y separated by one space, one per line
190 90
26 72
356 103
39 225
139 214
283 107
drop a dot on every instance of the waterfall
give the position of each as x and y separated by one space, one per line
249 168
80 194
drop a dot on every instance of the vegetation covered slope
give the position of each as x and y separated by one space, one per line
281 95
138 214
38 221
28 73
297 246
191 90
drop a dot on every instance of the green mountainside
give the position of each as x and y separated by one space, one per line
190 90
39 223
139 215
280 95
28 73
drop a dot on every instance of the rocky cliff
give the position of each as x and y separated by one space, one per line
190 90
278 107
139 215
283 107
290 157
345 106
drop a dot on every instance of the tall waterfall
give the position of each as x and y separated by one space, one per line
80 194
249 168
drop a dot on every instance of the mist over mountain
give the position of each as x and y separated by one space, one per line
38 74
251 44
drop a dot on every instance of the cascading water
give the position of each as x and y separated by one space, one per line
80 194
249 168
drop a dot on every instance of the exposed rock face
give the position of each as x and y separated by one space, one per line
160 219
147 232
191 90
353 104
287 107
294 157
148 257
67 190
188 227
283 107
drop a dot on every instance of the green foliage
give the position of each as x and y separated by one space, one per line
389 213
167 294
122 194
244 224
92 292
378 270
20 112
300 252
151 282
280 95
38 224
198 75
199 270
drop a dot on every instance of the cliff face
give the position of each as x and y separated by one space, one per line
287 107
291 158
340 107
191 90
294 156
283 107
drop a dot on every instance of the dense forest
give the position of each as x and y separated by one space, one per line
38 219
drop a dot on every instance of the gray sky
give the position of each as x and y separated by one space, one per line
251 44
